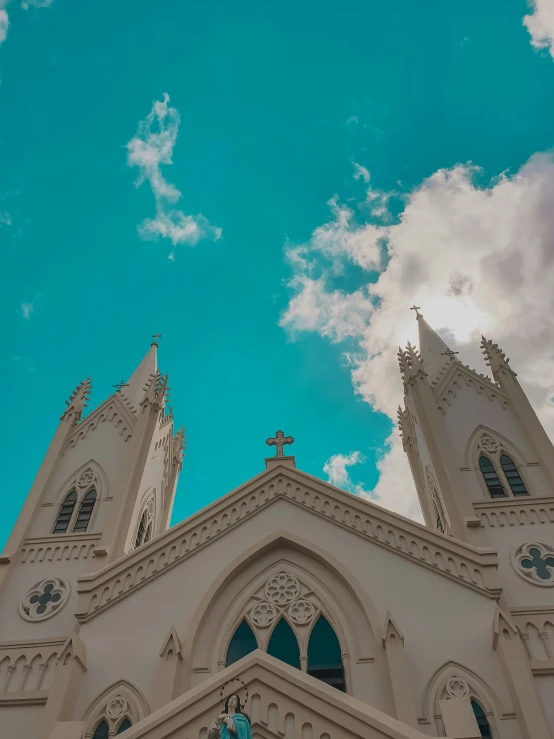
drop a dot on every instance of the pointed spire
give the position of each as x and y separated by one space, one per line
134 391
78 400
435 353
495 358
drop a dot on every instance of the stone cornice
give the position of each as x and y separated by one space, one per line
57 547
514 511
112 410
447 387
470 566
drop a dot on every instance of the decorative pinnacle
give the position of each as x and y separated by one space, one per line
410 362
78 400
178 446
402 421
495 357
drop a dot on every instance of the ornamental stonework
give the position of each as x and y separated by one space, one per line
457 688
489 444
116 707
45 599
534 563
86 478
282 589
284 594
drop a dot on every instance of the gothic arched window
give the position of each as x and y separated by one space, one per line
512 475
102 731
482 721
324 655
124 725
242 643
66 512
146 524
494 486
283 644
85 512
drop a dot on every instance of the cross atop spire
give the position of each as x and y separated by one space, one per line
155 337
416 308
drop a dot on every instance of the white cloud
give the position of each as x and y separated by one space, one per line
361 172
540 24
36 4
351 121
338 475
477 258
149 149
4 23
5 219
27 309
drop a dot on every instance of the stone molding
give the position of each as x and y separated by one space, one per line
27 669
460 376
472 567
113 411
59 547
514 511
284 701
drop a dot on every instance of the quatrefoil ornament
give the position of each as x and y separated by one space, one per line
45 599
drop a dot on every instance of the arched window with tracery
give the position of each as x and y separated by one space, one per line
145 528
324 655
85 512
102 731
492 481
283 644
498 469
517 486
65 514
115 711
482 721
242 643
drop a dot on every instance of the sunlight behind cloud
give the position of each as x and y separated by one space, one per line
476 259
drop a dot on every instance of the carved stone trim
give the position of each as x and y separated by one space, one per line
514 511
57 548
459 377
461 562
534 563
45 599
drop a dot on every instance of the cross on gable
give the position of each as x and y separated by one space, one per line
120 385
279 440
449 353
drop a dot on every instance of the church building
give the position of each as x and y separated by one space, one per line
329 616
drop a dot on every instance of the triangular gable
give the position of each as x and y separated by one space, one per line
456 376
112 410
277 693
470 566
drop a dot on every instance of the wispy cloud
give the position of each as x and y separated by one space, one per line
149 149
26 4
36 4
477 256
5 219
27 309
337 473
540 24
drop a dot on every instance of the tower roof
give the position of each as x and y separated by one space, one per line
136 383
432 349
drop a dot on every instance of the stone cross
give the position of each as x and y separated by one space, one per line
449 353
120 385
156 337
416 308
279 440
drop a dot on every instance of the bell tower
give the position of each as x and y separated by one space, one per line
106 486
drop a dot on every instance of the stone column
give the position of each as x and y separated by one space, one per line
393 641
519 679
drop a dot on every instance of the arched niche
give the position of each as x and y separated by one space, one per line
333 592
477 691
119 702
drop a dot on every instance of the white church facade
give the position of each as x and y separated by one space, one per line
330 616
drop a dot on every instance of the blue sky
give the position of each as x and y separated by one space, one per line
270 322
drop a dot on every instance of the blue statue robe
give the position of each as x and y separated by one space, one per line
241 725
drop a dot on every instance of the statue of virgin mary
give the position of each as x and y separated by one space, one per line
232 723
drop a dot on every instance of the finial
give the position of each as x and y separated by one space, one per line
155 337
279 440
120 385
78 399
416 308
